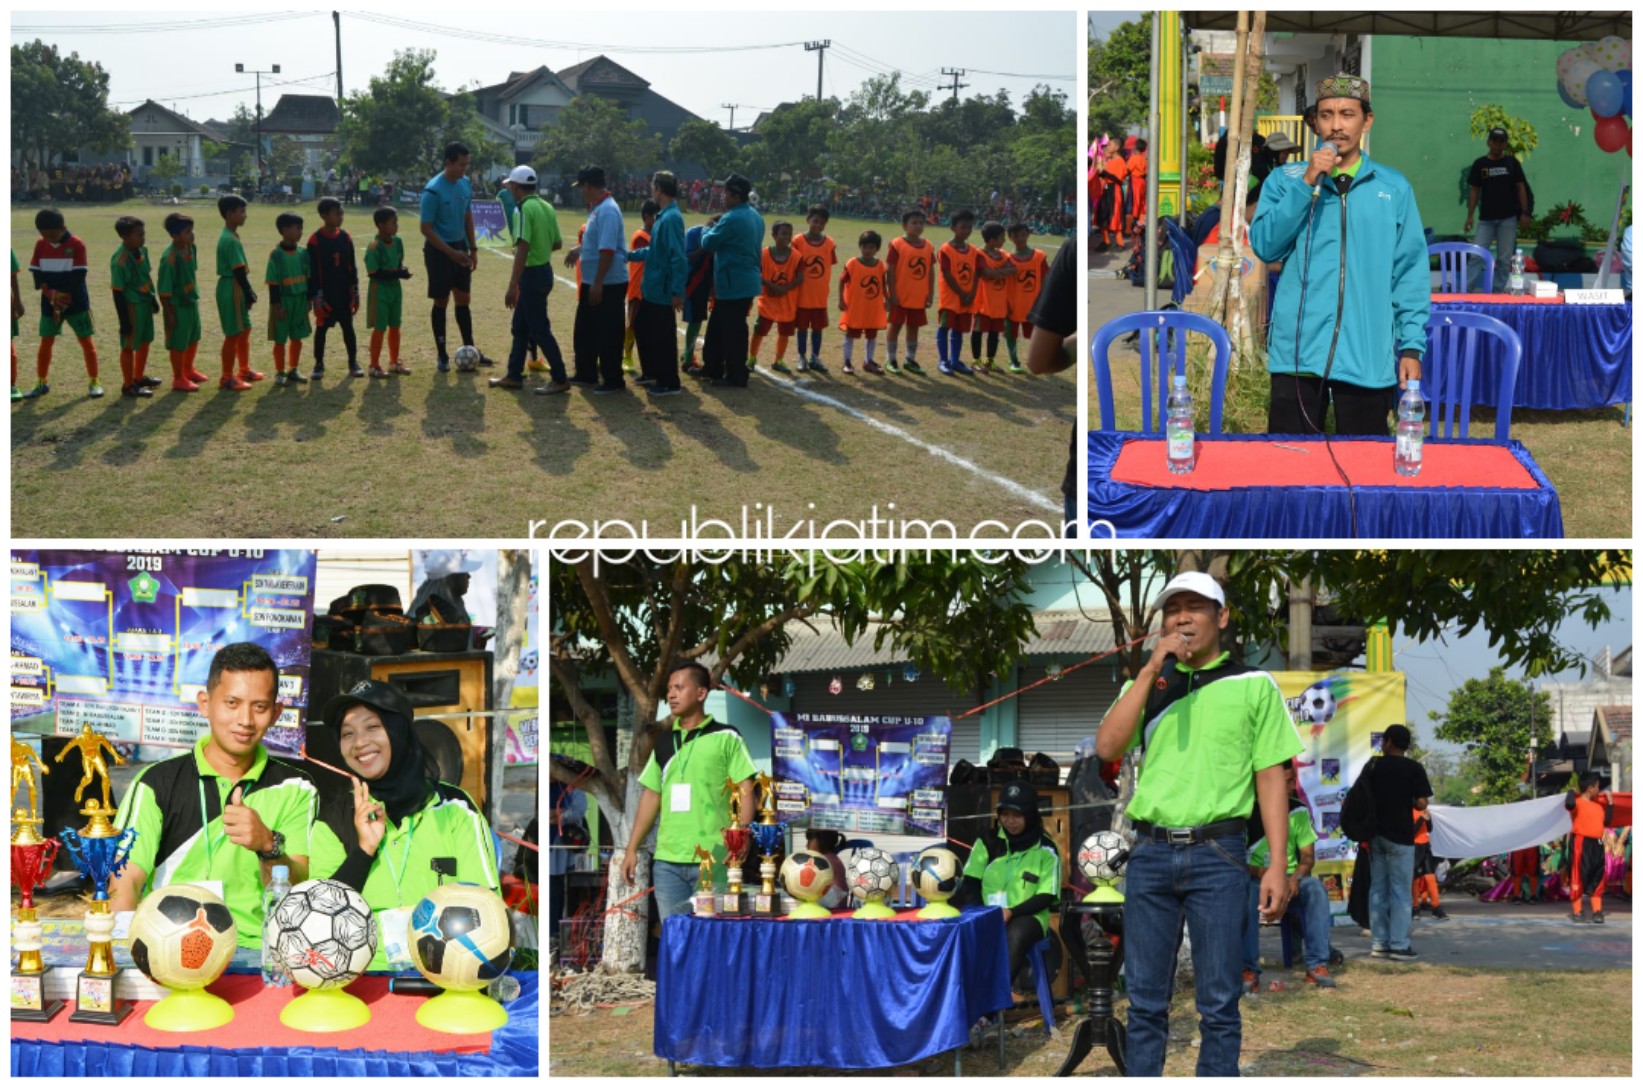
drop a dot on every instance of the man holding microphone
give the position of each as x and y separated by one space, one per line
1349 316
1214 735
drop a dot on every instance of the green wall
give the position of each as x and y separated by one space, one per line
1424 91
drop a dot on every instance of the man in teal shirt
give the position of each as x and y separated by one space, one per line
1307 896
662 290
536 238
735 241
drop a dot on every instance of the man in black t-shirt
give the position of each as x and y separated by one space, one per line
1496 180
1054 348
1398 785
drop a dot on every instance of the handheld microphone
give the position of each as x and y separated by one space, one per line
1318 187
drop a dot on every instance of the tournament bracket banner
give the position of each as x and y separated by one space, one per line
123 640
1340 718
882 774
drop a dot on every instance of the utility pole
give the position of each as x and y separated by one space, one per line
954 73
732 108
336 19
820 49
274 69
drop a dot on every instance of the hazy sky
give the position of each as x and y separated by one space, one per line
1103 22
179 67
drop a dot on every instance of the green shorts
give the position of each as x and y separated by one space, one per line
384 305
142 326
80 323
231 307
185 330
292 327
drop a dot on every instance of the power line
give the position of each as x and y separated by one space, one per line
508 39
225 22
1020 75
219 93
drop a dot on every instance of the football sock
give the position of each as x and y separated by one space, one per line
912 347
393 344
179 367
295 348
975 345
941 344
88 349
465 323
872 347
438 318
229 354
319 342
351 343
849 348
279 357
42 359
188 358
139 363
756 345
815 344
126 366
244 339
781 345
376 348
1009 341
992 344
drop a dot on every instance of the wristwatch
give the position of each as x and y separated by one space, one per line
275 851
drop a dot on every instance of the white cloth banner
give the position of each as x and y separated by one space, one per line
1472 832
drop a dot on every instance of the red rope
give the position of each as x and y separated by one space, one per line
1064 671
731 689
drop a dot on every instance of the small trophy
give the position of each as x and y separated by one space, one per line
770 840
703 901
738 845
31 859
101 852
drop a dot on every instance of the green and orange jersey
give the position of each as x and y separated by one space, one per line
130 274
863 296
381 255
287 277
959 263
641 238
780 273
177 276
1028 281
992 293
230 253
912 262
816 261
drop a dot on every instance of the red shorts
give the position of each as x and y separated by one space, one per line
1025 329
811 318
856 332
763 325
905 316
989 324
955 320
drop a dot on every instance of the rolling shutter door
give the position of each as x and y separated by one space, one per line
1052 718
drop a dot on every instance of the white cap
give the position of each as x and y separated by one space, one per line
1194 581
523 174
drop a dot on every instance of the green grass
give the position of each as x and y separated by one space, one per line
443 455
1585 453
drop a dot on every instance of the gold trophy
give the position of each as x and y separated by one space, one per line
769 839
31 859
703 901
101 852
738 840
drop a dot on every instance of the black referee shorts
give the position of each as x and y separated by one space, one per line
444 275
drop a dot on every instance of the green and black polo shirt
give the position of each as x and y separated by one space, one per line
176 807
1021 876
699 761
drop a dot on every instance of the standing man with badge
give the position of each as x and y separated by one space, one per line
684 783
1214 734
226 814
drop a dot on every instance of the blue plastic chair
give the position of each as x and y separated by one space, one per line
1038 957
1174 327
1454 258
1452 353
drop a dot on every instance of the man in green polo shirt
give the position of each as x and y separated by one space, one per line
1306 895
1213 734
536 239
225 813
684 783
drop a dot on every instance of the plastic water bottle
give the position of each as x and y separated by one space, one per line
1411 430
279 886
1178 428
1515 281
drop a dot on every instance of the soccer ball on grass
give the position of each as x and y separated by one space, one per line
467 358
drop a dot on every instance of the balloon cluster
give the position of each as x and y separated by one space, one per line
1598 76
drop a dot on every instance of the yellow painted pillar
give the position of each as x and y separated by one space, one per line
1378 648
1170 105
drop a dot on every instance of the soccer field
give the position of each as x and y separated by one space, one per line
443 455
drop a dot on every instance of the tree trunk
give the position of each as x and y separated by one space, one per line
627 927
1226 305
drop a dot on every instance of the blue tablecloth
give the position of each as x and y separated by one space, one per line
514 1052
1263 512
1575 356
826 993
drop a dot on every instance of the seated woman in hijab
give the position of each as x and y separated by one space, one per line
1018 869
400 832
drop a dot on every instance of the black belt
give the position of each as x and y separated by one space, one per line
1196 834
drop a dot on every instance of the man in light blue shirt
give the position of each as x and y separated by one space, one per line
596 338
449 252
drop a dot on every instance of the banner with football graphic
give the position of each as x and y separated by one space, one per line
1340 717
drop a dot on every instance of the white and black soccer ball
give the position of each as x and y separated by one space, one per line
873 874
1101 857
467 358
1318 704
937 874
460 936
324 934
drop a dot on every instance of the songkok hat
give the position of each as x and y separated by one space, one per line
1341 85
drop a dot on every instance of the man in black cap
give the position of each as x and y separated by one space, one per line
1496 179
734 241
596 338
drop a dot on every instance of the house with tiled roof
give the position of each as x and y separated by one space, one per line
516 110
311 121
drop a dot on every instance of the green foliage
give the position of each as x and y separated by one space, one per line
1521 137
400 125
792 145
165 169
594 131
60 103
1494 719
703 141
1120 72
285 157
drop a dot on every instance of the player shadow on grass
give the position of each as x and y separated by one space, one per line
1316 1056
460 398
382 403
134 429
797 422
294 414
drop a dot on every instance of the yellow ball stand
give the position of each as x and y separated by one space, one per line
189 1010
874 909
938 909
810 910
325 1010
462 1012
1105 894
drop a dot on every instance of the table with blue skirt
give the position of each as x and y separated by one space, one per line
837 993
1271 487
1575 356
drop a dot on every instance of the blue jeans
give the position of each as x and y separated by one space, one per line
1502 236
675 884
1311 904
1391 883
530 323
1201 887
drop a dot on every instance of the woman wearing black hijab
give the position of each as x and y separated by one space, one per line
1017 869
401 832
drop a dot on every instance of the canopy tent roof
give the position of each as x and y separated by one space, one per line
1534 25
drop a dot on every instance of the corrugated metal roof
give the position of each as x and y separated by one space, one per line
824 648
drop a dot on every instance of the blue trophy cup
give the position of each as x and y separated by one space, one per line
100 851
770 840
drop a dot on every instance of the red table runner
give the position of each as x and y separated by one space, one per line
1230 465
1493 298
256 1023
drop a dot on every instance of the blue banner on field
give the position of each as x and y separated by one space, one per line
884 774
124 640
490 223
